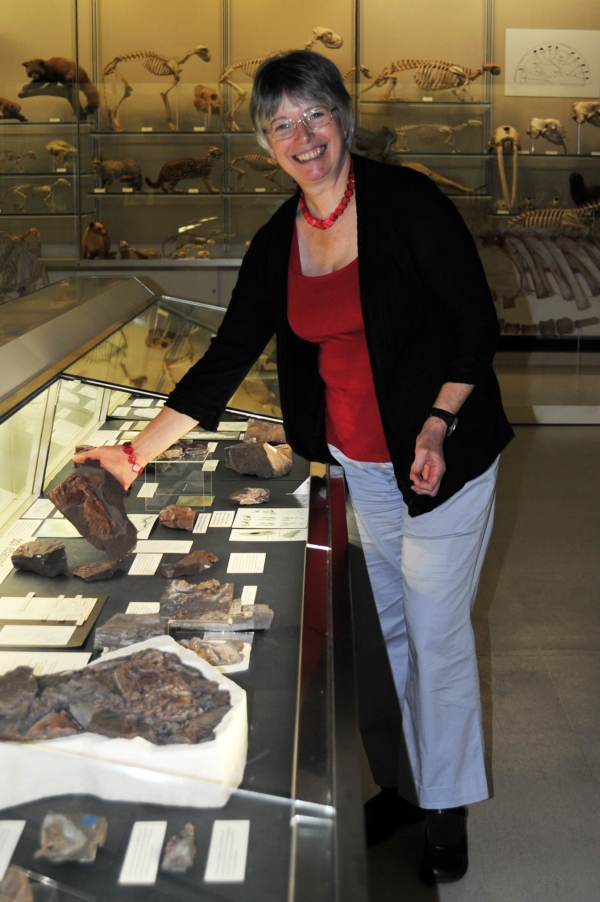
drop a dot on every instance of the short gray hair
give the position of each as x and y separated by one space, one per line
301 75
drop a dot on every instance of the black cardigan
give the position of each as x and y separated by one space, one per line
429 319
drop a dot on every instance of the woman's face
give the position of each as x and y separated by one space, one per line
308 156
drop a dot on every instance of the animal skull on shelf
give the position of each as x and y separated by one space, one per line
587 111
505 140
550 129
327 37
206 100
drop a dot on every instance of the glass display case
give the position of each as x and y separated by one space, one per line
271 806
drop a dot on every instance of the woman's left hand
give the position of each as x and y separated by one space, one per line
429 465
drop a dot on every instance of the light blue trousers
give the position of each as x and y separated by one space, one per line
424 573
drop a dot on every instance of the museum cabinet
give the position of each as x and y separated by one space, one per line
291 807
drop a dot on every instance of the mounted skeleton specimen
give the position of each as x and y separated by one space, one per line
61 77
11 156
556 217
505 140
206 100
587 111
433 75
156 64
248 67
429 133
174 171
259 163
550 129
45 193
62 152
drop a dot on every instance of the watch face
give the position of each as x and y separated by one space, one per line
452 426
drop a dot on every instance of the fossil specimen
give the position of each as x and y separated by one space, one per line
206 100
580 192
551 130
127 629
217 653
156 64
187 168
587 111
44 556
96 570
46 193
259 163
210 606
72 837
250 495
95 242
193 563
11 156
15 886
433 75
184 449
149 693
505 140
429 133
264 431
180 851
126 170
65 72
259 459
10 110
126 252
20 267
62 152
177 517
94 501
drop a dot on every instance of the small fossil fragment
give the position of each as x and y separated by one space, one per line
44 556
94 501
96 570
185 450
250 495
127 629
263 431
210 606
189 565
72 837
177 517
180 851
254 459
15 887
219 653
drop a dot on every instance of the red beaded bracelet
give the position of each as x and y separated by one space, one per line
128 449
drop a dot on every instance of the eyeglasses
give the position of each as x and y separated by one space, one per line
313 119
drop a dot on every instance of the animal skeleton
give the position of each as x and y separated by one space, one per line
44 192
259 163
505 139
32 239
550 129
440 179
205 100
61 150
433 75
429 133
587 111
249 66
11 156
555 217
156 64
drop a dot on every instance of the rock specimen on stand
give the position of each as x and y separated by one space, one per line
254 459
217 653
15 887
44 556
72 837
249 495
262 431
94 501
209 606
180 851
96 570
127 629
189 565
177 517
149 693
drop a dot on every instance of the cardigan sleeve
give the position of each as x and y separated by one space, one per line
247 326
449 265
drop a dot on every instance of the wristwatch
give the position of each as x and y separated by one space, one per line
450 419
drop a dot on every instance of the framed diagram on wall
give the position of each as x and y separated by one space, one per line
544 62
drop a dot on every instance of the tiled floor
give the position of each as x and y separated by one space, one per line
537 623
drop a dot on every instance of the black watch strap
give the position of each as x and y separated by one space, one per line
450 419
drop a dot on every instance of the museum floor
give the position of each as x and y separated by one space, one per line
537 623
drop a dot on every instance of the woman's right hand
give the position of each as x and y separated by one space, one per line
113 459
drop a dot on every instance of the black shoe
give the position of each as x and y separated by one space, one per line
387 811
446 857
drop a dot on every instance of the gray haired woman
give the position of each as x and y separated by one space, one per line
386 333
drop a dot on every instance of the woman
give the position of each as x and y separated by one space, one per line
385 333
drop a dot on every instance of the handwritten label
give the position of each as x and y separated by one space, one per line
227 853
143 853
143 565
246 562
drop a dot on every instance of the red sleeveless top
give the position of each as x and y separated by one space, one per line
326 310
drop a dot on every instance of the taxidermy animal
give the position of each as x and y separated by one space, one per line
10 110
44 192
62 71
429 133
587 111
156 64
187 168
433 75
95 243
62 152
580 193
11 156
32 239
20 268
127 171
248 68
259 163
206 100
505 140
133 253
550 129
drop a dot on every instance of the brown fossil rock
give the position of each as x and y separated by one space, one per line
94 501
262 431
189 565
211 606
44 556
177 517
250 495
127 629
254 459
180 851
71 837
96 570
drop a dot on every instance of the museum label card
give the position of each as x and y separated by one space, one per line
143 853
232 426
43 507
15 634
28 607
212 447
148 490
222 518
145 564
201 524
227 853
67 396
127 425
10 834
249 594
44 662
22 529
63 433
143 607
196 500
149 414
128 436
120 411
166 546
210 465
102 437
89 405
272 517
86 390
214 436
143 523
268 535
142 402
58 529
246 563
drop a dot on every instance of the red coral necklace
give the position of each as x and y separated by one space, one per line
333 217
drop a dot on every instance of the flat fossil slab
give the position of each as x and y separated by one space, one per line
72 837
175 516
250 495
184 450
219 654
96 570
263 431
94 501
211 606
180 851
149 693
259 459
127 629
44 556
189 565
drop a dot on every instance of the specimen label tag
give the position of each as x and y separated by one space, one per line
43 507
260 190
53 120
143 607
99 190
10 834
146 128
62 169
148 490
169 546
210 465
193 191
249 594
201 524
143 853
222 518
144 565
127 190
247 563
15 634
227 853
199 128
